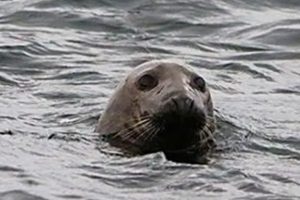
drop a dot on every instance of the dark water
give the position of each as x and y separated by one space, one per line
61 59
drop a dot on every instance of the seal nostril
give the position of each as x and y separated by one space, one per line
191 105
182 103
187 101
175 102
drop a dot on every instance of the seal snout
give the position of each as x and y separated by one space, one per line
180 122
181 114
182 104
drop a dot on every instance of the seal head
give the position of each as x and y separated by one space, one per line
161 106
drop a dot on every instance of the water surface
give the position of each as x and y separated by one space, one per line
60 60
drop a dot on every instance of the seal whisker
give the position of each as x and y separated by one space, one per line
148 134
130 133
146 125
133 120
131 128
141 135
205 136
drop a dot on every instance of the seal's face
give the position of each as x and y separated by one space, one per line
161 106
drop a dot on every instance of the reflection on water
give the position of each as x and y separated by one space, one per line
60 61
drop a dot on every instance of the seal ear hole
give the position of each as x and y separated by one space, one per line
199 83
147 82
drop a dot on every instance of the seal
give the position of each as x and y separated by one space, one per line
162 105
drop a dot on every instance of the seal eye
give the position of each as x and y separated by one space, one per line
147 82
199 83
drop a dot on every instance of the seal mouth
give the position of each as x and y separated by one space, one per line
180 122
184 135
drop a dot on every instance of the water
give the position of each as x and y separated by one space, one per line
60 60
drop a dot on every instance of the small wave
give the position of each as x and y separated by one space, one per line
19 194
6 80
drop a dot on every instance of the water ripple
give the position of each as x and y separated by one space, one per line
61 60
